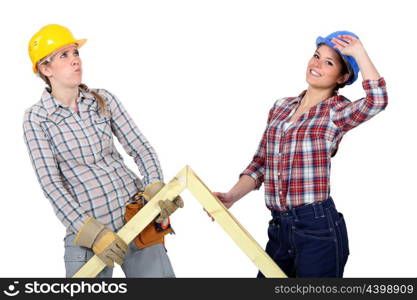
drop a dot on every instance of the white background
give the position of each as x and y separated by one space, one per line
198 78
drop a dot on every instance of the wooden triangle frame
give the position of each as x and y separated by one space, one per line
186 178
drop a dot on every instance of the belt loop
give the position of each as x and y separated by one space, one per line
293 210
313 205
321 209
318 210
330 199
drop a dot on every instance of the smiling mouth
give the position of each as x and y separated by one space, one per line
314 73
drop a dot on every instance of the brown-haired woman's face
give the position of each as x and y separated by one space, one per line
324 68
65 67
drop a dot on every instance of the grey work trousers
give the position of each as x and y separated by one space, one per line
152 261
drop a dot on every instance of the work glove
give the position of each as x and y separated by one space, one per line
167 207
106 244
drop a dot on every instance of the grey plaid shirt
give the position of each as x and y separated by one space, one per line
77 164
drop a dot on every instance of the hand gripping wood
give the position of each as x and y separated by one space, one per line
186 178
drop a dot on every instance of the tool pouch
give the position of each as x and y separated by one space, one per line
152 234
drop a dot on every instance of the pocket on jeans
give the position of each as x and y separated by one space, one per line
318 229
75 254
316 234
273 231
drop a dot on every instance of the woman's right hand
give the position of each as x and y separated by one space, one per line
226 198
239 190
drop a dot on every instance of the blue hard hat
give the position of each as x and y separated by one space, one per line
347 58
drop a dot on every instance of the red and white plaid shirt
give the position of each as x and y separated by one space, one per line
295 163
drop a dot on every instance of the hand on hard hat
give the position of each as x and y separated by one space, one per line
348 45
349 59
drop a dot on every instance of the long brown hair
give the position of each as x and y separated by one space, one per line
101 103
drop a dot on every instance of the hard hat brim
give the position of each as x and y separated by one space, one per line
79 43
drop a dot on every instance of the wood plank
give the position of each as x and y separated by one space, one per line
186 178
132 228
232 227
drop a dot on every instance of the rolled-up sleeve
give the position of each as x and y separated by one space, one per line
348 115
133 141
66 208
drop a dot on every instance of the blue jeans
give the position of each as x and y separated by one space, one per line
309 241
151 261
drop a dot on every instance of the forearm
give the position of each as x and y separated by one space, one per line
148 163
245 185
133 141
47 171
367 68
66 208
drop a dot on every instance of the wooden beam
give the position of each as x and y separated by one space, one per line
186 178
135 225
232 227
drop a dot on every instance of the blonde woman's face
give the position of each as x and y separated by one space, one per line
64 68
324 68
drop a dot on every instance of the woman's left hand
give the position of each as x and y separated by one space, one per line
349 45
353 47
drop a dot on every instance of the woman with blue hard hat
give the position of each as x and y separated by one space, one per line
69 135
307 235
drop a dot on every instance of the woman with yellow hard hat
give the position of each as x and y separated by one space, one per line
69 135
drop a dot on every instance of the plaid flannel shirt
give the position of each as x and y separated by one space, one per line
295 163
77 165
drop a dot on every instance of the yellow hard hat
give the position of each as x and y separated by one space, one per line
49 39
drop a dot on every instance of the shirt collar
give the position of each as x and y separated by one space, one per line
51 104
86 95
301 95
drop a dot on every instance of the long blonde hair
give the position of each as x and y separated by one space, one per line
100 100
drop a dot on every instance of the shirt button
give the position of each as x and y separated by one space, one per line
280 192
279 173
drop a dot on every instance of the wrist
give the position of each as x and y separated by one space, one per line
233 196
152 189
360 54
89 233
